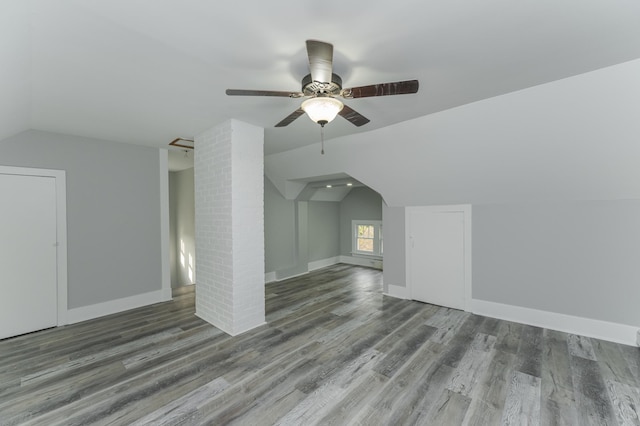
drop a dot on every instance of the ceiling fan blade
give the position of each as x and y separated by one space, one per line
353 116
290 118
240 92
383 89
320 60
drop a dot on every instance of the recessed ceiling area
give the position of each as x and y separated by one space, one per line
335 180
146 72
327 188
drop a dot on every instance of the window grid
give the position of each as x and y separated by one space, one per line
367 237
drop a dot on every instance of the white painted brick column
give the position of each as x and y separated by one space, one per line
229 195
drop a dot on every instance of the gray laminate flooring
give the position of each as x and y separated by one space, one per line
334 351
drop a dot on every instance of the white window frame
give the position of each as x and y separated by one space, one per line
378 240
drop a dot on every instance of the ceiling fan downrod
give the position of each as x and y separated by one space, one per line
322 123
322 87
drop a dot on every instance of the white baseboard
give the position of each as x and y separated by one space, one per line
613 332
270 277
167 293
288 277
85 313
361 261
225 328
323 263
398 292
244 330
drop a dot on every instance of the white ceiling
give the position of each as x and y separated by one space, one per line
148 71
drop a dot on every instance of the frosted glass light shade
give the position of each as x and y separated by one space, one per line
322 109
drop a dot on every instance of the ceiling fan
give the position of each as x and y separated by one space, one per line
322 87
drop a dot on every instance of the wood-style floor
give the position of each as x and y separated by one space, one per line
334 351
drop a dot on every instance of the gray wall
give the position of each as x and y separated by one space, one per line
556 144
360 203
577 258
113 211
183 232
17 74
324 231
393 221
299 232
279 230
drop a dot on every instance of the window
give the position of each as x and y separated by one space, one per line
366 237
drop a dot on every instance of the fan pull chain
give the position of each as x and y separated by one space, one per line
322 139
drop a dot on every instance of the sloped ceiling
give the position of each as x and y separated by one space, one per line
148 71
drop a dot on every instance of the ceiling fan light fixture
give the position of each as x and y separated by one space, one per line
322 109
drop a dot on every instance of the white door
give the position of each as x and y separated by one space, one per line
436 256
28 283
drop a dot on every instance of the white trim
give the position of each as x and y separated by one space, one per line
165 236
231 333
167 293
468 265
244 330
398 292
613 332
85 313
61 230
61 214
270 277
288 277
466 210
361 261
376 241
323 263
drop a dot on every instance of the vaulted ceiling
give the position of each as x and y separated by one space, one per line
148 71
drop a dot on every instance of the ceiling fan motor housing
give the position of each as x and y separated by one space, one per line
322 94
316 88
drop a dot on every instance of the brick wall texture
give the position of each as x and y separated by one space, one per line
228 170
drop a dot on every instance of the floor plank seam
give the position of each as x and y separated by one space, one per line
335 350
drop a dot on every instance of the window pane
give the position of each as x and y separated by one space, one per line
365 244
367 237
366 231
